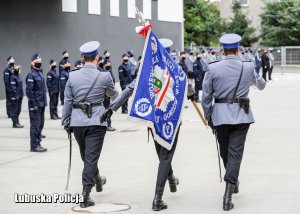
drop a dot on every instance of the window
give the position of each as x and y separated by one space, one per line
147 9
95 7
242 2
114 8
131 8
69 6
171 11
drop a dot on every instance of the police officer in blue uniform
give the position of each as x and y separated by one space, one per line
6 77
225 104
64 76
53 89
125 78
198 75
16 96
37 101
62 62
84 95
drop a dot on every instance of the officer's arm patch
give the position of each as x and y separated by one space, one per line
29 80
13 83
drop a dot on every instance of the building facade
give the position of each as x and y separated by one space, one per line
252 8
51 26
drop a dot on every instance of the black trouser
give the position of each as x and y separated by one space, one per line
270 72
125 105
264 73
53 104
198 87
165 159
37 120
8 103
90 141
16 106
232 141
106 104
62 97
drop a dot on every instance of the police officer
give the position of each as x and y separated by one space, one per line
53 89
106 56
100 64
106 102
258 60
190 60
6 77
84 95
228 83
198 75
62 62
182 64
265 64
37 101
78 64
125 78
64 76
165 171
132 62
16 96
272 62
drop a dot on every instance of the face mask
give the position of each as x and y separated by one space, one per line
183 58
101 64
38 65
67 68
107 57
53 67
107 67
213 53
11 64
125 60
198 57
66 57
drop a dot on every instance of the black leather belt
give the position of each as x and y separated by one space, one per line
79 106
226 100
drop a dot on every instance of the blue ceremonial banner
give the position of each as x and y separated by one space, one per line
160 91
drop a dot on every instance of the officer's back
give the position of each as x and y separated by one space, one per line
225 75
77 87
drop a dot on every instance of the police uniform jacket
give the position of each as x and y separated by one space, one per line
220 82
183 66
204 64
36 89
16 87
61 65
6 76
189 63
77 86
198 70
125 74
52 82
272 60
63 80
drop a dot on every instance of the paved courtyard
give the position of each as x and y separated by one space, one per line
270 172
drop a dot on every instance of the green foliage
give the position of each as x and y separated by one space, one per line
281 23
203 24
241 25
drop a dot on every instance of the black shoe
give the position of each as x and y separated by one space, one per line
43 136
38 149
100 182
158 204
227 198
110 129
45 149
18 126
236 188
87 201
124 112
173 182
54 118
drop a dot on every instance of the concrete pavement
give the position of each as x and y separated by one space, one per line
270 172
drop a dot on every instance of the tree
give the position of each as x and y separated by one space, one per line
241 25
203 24
280 23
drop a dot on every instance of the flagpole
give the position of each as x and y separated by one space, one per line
200 113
